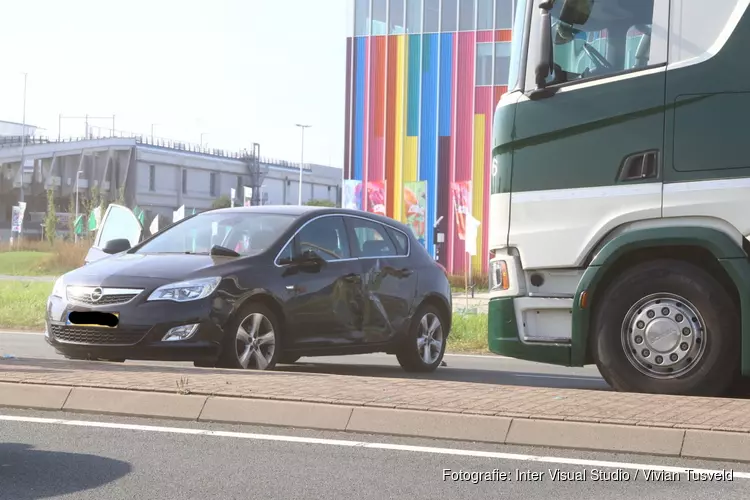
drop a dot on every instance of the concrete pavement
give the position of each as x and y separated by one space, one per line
596 420
486 369
116 457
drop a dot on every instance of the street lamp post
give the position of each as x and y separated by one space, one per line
23 135
302 161
75 220
202 134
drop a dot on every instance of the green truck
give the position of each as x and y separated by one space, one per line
620 193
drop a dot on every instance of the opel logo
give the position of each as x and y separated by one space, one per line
96 294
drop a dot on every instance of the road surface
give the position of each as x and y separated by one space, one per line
142 459
487 369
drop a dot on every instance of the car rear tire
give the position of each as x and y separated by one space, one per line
667 327
251 340
424 347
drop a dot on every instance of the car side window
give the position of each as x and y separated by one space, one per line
326 237
372 240
400 239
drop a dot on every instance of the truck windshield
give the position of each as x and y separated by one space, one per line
616 37
517 43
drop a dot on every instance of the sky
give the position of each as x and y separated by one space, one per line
236 71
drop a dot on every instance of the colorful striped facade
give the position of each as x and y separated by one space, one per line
423 80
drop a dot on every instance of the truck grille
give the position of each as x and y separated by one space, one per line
94 336
96 296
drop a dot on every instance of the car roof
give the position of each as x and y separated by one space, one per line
304 210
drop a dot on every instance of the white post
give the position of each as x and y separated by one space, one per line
75 220
302 162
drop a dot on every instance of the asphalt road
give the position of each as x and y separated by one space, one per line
75 457
487 369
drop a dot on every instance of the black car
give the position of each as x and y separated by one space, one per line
252 287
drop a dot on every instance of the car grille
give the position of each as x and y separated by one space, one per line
94 336
94 296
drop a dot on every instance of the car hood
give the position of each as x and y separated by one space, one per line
143 270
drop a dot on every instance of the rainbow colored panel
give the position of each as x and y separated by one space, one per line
415 112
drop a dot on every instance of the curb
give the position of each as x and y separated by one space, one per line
669 442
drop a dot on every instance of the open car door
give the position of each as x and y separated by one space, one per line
119 222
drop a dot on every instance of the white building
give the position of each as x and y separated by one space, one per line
159 177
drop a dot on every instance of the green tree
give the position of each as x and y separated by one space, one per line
222 201
50 220
120 200
320 203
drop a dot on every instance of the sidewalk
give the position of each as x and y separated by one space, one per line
639 423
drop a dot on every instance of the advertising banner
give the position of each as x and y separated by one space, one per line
415 208
248 196
16 220
178 214
461 192
376 197
352 195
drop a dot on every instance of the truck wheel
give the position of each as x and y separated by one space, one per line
667 327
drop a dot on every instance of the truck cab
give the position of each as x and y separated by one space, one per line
620 193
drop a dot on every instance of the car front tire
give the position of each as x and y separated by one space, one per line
251 340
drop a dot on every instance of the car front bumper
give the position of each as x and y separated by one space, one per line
140 332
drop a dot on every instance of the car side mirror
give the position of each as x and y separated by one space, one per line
116 246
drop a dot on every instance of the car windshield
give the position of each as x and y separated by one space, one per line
245 233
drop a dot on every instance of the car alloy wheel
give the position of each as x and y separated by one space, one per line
430 338
255 342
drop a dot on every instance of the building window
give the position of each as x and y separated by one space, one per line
502 63
485 14
361 17
184 181
431 16
413 16
214 184
484 64
504 14
396 17
466 15
449 16
379 17
151 178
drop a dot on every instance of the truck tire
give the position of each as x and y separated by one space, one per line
667 327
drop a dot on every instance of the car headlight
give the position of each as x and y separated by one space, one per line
185 291
58 289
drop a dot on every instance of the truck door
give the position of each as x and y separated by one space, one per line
588 150
707 166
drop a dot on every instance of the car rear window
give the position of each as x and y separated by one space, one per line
400 239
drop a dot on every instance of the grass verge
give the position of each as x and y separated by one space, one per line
23 263
39 258
468 334
22 306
